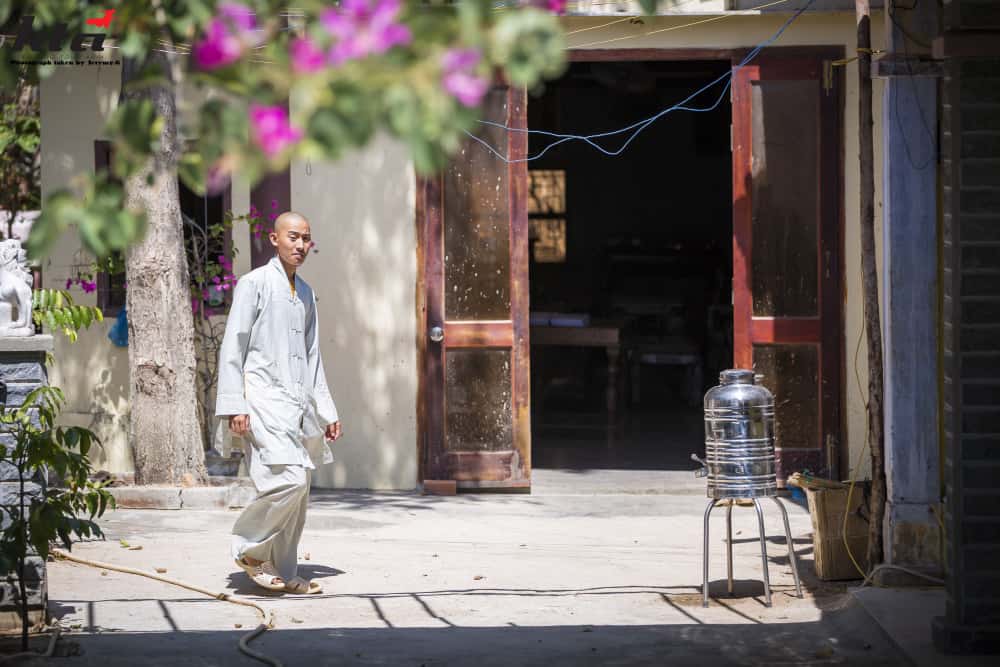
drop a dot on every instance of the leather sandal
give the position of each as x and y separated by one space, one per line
303 587
263 574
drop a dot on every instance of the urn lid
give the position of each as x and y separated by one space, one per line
736 376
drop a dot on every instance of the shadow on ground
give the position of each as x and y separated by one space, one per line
845 636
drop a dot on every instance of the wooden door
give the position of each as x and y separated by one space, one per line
787 294
473 233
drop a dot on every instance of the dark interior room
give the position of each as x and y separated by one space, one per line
630 265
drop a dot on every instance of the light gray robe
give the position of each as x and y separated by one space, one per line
270 367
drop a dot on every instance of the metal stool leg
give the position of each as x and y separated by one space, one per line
763 551
791 549
729 545
704 583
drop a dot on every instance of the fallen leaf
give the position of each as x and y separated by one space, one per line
478 577
296 620
104 573
237 625
307 555
161 570
137 547
825 652
124 544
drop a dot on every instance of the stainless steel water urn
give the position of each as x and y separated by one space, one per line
739 437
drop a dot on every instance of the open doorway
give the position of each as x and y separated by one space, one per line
630 268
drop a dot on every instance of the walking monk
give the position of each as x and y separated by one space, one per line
272 387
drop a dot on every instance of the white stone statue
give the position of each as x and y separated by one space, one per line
15 290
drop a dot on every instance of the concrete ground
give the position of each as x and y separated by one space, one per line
552 578
906 615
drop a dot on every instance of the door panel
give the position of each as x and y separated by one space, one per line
473 229
787 247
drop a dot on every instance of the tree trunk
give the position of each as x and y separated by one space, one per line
869 277
164 430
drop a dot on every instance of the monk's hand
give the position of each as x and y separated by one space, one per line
332 431
239 424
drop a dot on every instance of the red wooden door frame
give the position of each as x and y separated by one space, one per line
826 329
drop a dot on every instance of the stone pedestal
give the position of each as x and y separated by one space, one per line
22 370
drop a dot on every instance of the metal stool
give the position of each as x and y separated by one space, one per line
740 461
763 548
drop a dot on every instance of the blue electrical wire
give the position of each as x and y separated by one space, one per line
641 125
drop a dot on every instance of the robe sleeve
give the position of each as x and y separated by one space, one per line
326 410
230 398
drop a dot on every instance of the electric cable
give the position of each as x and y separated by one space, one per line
641 125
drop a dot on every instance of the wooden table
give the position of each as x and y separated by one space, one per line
600 333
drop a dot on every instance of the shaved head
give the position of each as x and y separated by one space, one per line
292 239
289 217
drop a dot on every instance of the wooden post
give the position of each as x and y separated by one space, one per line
869 277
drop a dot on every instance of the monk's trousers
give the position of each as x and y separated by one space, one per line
270 527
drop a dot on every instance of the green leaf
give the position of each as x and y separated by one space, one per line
135 125
135 44
57 214
649 6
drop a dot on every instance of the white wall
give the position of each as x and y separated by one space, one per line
75 103
363 219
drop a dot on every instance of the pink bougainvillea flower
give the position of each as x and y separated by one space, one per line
271 130
556 6
69 283
306 55
227 35
218 177
364 27
88 286
238 15
218 47
459 76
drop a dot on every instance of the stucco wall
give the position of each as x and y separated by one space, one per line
362 214
75 103
362 210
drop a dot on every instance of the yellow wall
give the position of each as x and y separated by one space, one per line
364 275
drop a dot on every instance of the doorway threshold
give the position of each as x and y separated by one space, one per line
597 482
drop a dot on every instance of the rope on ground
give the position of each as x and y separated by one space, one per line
49 652
267 620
